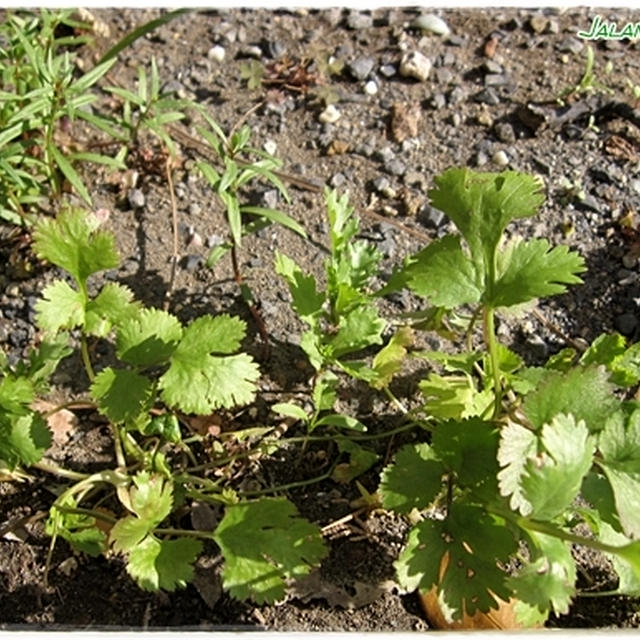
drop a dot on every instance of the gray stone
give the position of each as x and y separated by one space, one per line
136 199
337 180
570 45
481 159
495 80
457 95
386 154
445 76
431 217
626 323
415 65
388 70
192 262
487 96
214 240
491 66
505 133
395 167
538 23
195 209
274 48
360 68
456 40
271 198
357 20
438 101
381 183
431 24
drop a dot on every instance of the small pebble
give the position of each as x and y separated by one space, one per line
192 262
330 115
357 20
626 323
136 199
395 167
487 96
337 180
538 23
216 53
388 70
214 240
270 147
570 45
500 158
505 133
371 88
431 24
415 65
360 68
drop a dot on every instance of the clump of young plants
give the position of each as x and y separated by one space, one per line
41 96
521 462
160 373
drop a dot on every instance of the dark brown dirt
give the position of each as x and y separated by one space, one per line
459 125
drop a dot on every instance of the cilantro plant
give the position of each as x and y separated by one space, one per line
158 373
518 456
342 319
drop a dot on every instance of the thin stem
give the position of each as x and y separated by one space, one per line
189 533
73 404
98 515
49 467
174 218
290 485
395 401
492 347
86 359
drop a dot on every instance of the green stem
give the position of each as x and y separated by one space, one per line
49 467
492 347
551 530
86 359
190 533
98 515
290 485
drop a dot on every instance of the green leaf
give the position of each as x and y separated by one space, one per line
454 397
444 274
264 543
128 533
276 216
338 420
73 242
474 543
517 445
530 270
291 411
360 460
121 394
627 563
79 530
469 448
61 307
198 382
23 438
42 362
163 564
112 306
584 392
611 351
149 338
324 391
547 581
413 481
307 300
482 204
388 361
619 445
552 479
70 173
357 330
151 497
16 394
166 426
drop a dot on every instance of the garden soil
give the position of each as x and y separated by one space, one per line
488 97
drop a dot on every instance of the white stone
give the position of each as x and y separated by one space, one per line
500 158
330 115
371 88
270 147
415 65
431 23
216 53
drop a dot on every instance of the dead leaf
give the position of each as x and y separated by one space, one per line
205 425
337 147
61 422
